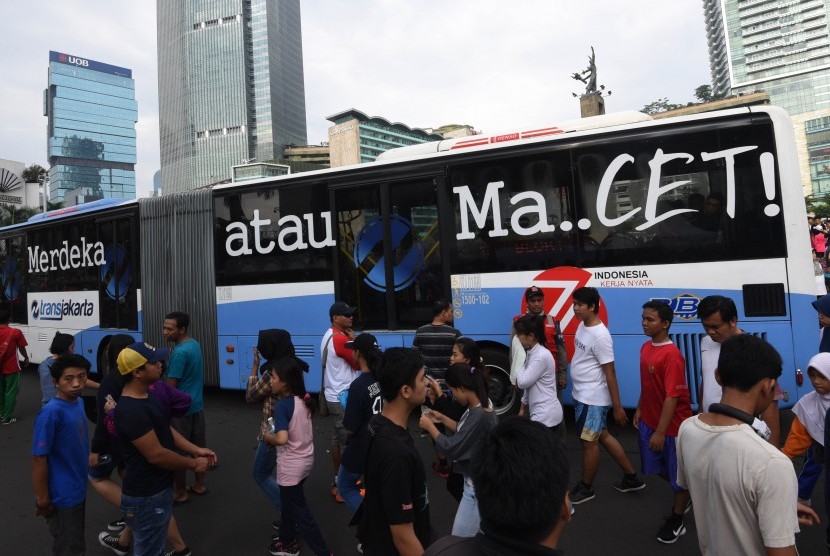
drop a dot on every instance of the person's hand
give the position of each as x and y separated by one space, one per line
201 465
434 390
562 381
206 453
522 410
44 508
256 357
109 405
93 459
636 419
620 417
806 515
657 441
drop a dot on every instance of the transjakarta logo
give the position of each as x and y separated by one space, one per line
66 59
684 306
66 257
57 310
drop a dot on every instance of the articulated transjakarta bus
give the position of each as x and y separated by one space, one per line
613 202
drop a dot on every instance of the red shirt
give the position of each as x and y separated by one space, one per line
10 340
550 332
663 375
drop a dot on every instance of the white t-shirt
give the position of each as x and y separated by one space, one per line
593 348
746 487
712 391
339 373
538 380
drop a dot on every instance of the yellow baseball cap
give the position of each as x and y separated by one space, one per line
138 354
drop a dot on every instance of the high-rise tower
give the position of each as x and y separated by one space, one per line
782 48
230 86
91 130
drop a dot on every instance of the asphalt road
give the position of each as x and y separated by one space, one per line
234 518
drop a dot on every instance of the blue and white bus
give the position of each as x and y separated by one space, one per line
617 202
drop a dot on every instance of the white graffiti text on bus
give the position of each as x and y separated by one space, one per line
533 202
66 257
292 235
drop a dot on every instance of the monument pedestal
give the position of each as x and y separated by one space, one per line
592 104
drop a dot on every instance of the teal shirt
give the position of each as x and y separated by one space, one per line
185 364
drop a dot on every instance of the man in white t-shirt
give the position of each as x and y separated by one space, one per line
339 370
719 318
744 486
595 393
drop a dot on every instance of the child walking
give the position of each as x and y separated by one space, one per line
663 405
469 388
294 439
807 429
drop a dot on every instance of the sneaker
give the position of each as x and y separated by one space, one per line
279 549
111 542
688 507
671 530
629 484
580 493
442 470
185 552
117 525
11 421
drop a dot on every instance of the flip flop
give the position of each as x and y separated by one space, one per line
192 490
182 501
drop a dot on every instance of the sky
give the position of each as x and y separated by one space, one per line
490 64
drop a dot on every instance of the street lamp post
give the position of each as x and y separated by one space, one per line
43 180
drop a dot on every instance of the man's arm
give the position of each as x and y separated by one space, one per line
771 416
25 355
40 481
658 438
614 390
788 551
405 540
158 455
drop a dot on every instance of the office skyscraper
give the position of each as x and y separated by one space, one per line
782 48
230 86
91 128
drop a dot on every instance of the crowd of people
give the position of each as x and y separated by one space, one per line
510 477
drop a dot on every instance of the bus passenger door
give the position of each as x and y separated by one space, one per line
389 261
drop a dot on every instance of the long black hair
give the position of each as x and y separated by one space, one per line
289 371
462 375
532 324
470 350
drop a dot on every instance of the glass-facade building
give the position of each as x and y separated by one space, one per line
92 112
781 47
231 86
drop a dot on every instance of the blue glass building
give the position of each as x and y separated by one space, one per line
230 87
92 141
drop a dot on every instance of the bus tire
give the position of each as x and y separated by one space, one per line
503 394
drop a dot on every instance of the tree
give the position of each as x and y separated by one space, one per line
32 173
704 93
660 105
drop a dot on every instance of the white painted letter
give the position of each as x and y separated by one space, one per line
468 206
729 155
605 189
33 259
241 235
655 189
539 208
328 241
296 228
256 224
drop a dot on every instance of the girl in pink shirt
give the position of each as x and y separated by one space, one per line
294 438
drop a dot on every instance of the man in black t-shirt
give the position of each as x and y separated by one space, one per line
396 508
148 445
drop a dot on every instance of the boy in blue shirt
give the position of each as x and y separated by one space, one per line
60 453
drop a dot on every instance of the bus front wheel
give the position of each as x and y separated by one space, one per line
503 394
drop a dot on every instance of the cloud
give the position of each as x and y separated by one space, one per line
487 63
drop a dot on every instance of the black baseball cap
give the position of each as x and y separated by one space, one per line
363 343
341 308
533 291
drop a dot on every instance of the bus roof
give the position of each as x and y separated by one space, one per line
94 206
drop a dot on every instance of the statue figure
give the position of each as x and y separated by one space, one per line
589 75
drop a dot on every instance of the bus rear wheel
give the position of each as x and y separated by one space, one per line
503 394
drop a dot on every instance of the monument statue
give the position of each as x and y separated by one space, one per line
591 101
589 74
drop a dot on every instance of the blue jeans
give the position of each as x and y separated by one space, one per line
148 517
467 518
809 475
265 461
297 515
348 490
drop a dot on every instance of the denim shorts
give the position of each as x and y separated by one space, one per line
148 517
591 420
